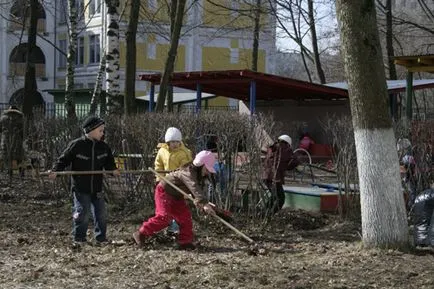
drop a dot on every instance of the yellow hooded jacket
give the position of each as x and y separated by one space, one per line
168 160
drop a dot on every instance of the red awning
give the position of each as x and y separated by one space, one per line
236 84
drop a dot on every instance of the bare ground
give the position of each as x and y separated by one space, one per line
301 250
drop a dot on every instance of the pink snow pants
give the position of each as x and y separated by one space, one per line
168 208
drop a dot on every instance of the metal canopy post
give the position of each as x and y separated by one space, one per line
252 97
198 97
151 98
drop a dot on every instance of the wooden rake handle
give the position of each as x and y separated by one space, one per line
187 196
71 173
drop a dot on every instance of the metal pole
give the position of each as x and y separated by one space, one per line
409 96
252 97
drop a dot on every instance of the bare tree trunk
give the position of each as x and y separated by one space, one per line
170 98
114 105
256 31
317 60
30 85
172 15
70 64
384 222
389 41
130 67
171 56
96 96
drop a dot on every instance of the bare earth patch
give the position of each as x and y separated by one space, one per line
302 250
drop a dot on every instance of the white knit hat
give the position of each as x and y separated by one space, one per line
403 144
173 134
285 138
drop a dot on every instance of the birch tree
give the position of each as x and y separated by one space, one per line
112 58
179 6
96 95
384 222
130 68
70 60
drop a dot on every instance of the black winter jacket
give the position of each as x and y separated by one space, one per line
84 154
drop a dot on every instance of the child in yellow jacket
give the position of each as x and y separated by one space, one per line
172 155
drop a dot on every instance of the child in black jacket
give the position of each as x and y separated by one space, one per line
88 153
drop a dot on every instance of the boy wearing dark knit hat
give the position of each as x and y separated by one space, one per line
88 153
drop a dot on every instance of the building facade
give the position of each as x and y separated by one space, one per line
213 38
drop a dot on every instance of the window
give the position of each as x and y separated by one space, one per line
94 7
94 51
62 11
235 7
152 5
79 5
79 57
152 51
62 47
235 52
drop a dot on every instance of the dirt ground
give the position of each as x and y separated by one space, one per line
302 250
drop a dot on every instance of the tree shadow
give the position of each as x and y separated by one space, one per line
423 251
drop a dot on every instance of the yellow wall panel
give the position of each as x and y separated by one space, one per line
143 62
245 57
218 58
215 58
218 101
140 55
214 15
160 13
218 14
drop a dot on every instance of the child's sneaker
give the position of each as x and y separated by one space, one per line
173 229
101 243
172 234
77 245
139 239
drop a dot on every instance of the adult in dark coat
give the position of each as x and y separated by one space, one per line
12 134
279 158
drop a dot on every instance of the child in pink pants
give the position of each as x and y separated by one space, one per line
170 204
